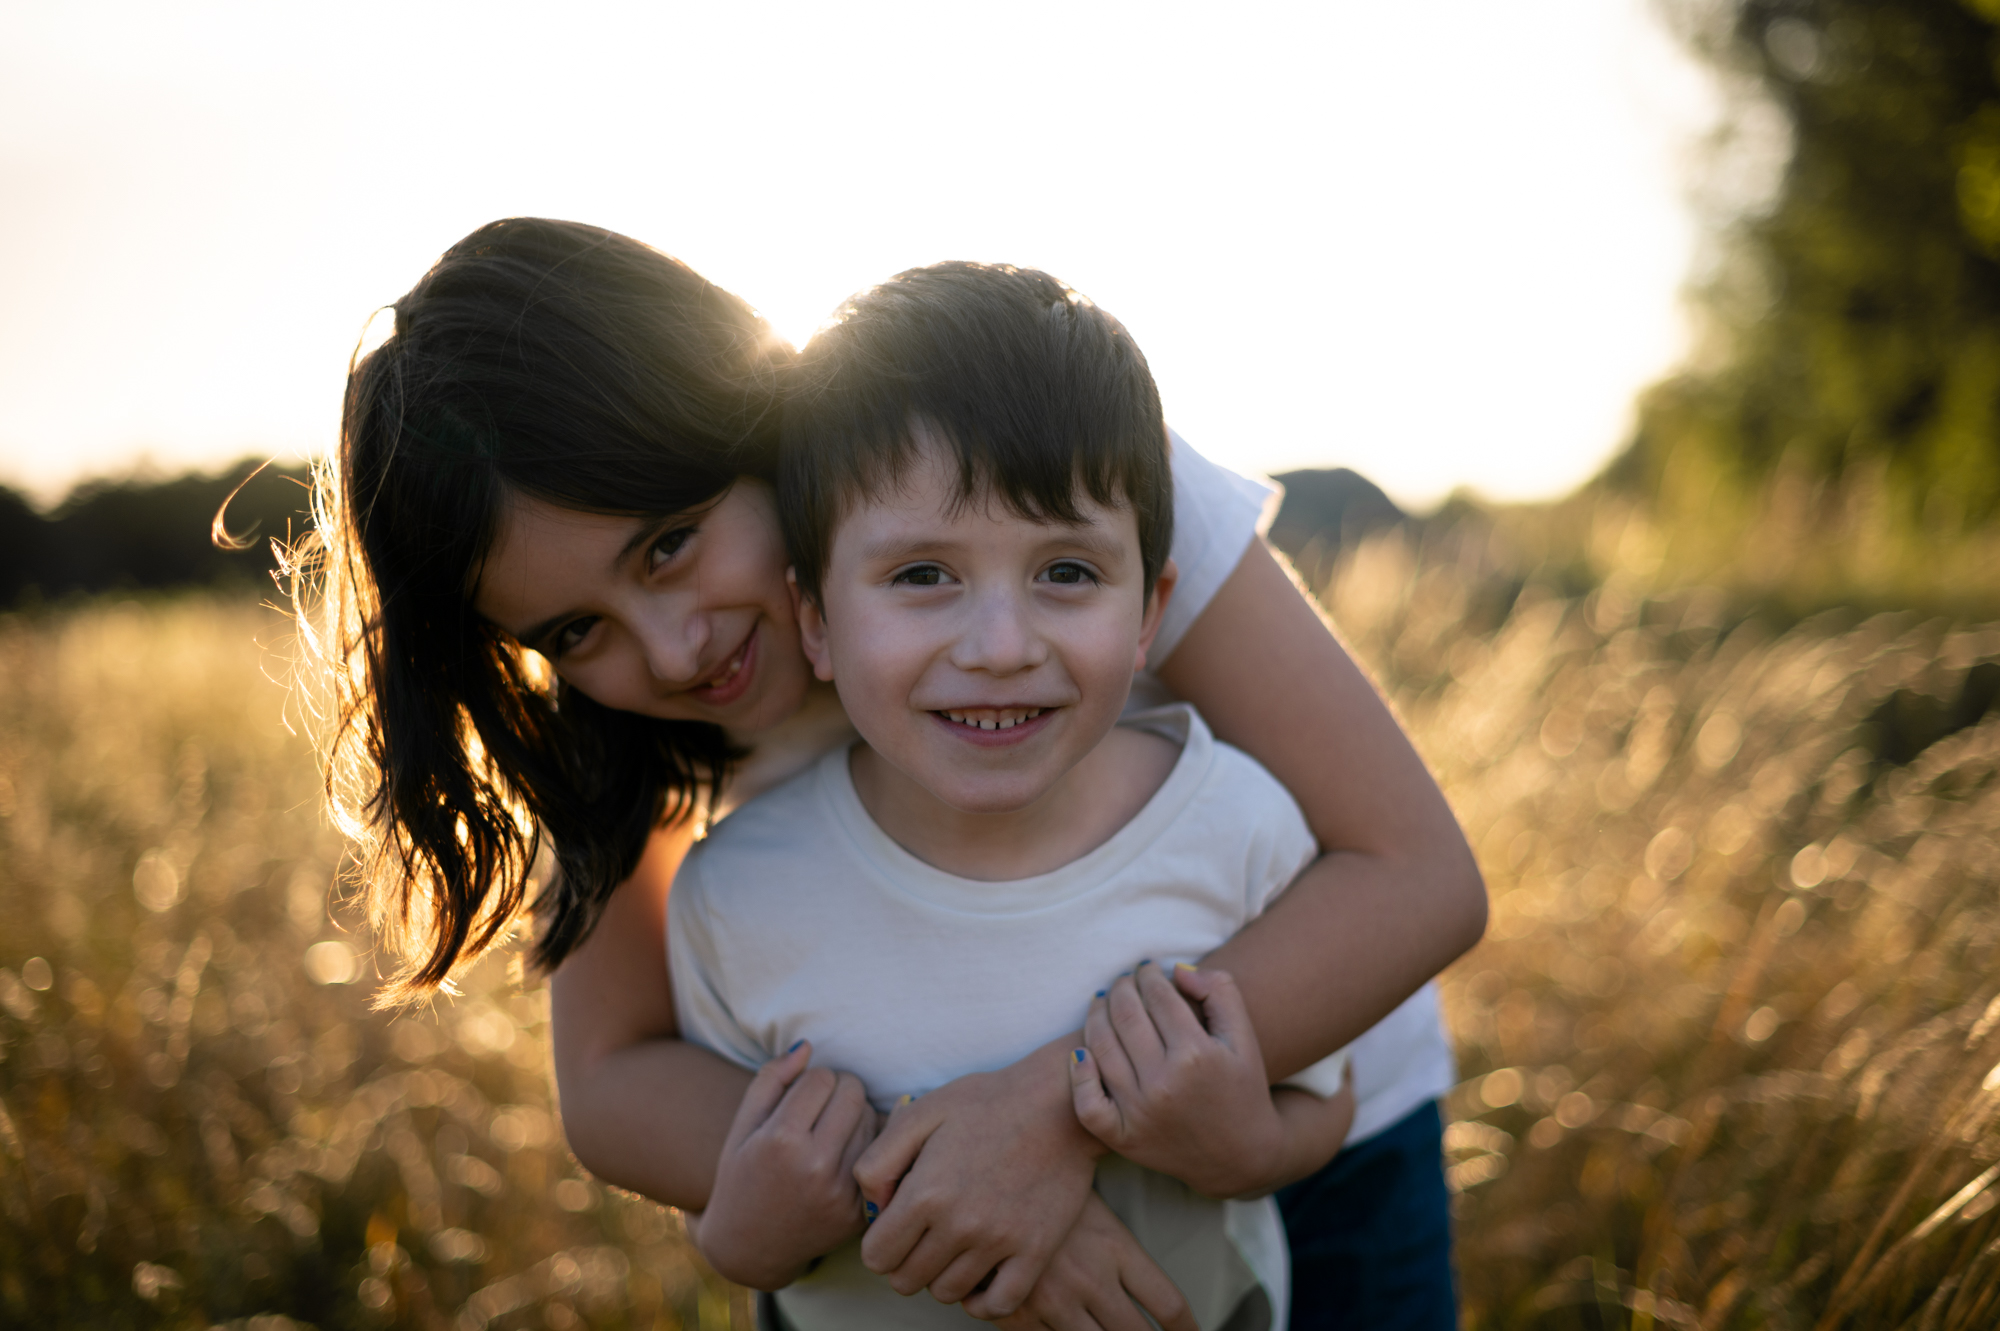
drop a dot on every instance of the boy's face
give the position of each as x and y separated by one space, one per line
980 653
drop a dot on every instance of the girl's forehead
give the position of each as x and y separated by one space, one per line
545 557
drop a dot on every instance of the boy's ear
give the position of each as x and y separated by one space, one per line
1156 606
812 628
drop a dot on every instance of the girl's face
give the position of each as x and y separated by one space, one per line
686 619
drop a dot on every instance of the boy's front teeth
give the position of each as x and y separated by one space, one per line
995 721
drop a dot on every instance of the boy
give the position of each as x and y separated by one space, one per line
979 513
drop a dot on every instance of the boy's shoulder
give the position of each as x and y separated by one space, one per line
1230 787
788 822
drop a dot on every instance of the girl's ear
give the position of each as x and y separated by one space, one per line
1156 606
812 628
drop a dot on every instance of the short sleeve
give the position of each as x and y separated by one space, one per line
700 1011
1217 513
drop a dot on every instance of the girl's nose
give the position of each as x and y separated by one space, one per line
672 635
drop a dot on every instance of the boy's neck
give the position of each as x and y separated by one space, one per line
1084 808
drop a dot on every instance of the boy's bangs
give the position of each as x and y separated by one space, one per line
1037 396
1034 483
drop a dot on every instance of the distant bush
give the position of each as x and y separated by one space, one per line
134 533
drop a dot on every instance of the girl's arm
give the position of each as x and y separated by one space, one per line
1395 896
642 1108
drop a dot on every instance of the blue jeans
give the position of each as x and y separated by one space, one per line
1371 1235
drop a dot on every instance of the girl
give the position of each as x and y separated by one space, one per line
551 600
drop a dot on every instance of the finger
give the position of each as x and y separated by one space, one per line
801 1107
857 1142
766 1090
923 1262
893 1151
961 1276
1173 1016
1053 1313
1121 1080
1116 1311
1094 1109
1150 1289
1135 1027
1222 1004
1016 1283
843 1109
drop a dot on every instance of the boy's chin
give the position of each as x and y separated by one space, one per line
990 798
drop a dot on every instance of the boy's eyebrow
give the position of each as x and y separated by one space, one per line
1086 534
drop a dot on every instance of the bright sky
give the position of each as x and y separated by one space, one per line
1440 243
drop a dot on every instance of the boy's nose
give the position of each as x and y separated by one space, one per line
999 637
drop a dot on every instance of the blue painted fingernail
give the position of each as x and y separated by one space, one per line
1145 961
1100 993
795 1046
1078 1053
871 1210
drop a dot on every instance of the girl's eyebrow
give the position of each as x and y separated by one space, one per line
535 635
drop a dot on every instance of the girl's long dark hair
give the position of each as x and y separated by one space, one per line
540 358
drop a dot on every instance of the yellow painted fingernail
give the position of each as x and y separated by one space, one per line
905 1100
1183 966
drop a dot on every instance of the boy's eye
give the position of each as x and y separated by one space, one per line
667 546
1070 574
571 635
919 575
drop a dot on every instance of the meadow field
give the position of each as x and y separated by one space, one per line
1731 1050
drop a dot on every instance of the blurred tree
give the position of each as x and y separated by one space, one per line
1848 375
132 533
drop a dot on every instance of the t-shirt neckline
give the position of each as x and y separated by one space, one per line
904 873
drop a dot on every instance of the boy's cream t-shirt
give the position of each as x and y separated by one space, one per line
798 918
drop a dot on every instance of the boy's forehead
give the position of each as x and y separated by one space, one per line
928 500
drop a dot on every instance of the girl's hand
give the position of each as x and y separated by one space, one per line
1099 1281
1164 1089
980 1178
784 1188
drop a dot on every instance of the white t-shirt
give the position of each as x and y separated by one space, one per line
1400 1062
799 918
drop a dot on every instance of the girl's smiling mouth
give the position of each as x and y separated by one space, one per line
732 680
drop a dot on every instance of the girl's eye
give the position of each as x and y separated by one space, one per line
667 546
921 575
571 635
1070 574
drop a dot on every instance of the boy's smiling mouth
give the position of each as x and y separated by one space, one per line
990 718
996 727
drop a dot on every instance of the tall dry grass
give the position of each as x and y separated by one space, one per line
1732 1042
201 1121
1729 1047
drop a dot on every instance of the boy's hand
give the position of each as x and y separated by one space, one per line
1164 1090
784 1188
1101 1278
987 1174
